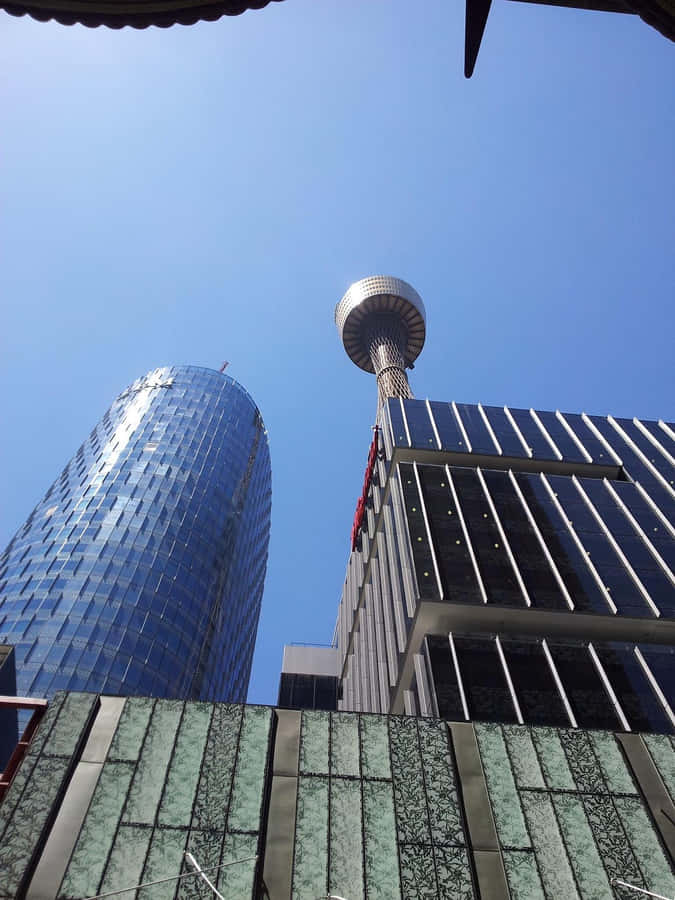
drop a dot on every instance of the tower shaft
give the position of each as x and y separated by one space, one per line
385 338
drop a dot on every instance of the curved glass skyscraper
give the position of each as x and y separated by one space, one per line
141 570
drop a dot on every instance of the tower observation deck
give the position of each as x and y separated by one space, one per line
382 324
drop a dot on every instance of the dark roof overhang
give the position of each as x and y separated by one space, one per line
135 13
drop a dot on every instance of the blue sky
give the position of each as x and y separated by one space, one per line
198 194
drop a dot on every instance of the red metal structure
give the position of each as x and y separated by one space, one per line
39 707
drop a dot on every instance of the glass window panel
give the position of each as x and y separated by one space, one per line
661 662
585 691
346 850
419 424
448 428
647 519
540 582
552 858
581 849
424 566
310 863
381 851
445 684
485 687
653 454
561 437
344 744
508 439
535 440
502 791
397 424
598 451
251 769
412 820
314 736
570 561
458 576
538 696
213 793
439 779
499 578
646 845
375 761
476 429
522 875
148 782
181 784
660 434
523 755
636 698
127 858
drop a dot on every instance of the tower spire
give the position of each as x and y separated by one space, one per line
382 324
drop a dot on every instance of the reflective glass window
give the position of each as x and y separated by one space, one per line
561 437
498 576
540 582
570 561
538 696
445 684
397 424
508 439
647 519
653 454
448 429
424 566
535 440
634 693
485 687
590 702
660 434
458 576
661 662
419 424
618 582
476 429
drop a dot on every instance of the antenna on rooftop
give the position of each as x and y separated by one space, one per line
224 366
382 324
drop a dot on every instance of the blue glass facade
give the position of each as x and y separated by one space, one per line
141 570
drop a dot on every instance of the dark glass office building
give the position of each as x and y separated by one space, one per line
141 570
516 566
507 565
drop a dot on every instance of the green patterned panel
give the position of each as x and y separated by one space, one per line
131 728
25 830
13 795
148 783
552 759
164 858
655 867
612 763
501 787
418 873
344 744
345 876
250 771
71 724
127 860
523 756
381 853
236 882
206 848
611 840
98 831
215 782
314 742
588 775
375 761
310 865
453 873
522 875
661 749
581 849
439 780
549 849
412 819
181 784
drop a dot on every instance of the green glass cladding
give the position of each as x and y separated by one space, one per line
378 812
568 814
141 571
37 789
178 777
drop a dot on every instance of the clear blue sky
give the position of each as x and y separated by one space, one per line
198 194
